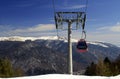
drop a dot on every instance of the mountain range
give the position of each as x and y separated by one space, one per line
44 55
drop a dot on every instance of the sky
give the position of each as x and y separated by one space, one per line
35 18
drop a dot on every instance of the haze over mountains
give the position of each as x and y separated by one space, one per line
45 55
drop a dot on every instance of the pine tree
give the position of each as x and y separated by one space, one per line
107 61
115 67
91 70
6 69
102 68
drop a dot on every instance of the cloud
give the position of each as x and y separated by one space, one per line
4 30
104 28
115 28
91 20
5 27
36 28
71 7
75 7
40 29
106 37
108 34
102 34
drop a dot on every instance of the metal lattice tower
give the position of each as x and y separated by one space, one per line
70 17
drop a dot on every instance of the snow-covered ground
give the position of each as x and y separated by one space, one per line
65 76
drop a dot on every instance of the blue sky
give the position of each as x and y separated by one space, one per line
35 18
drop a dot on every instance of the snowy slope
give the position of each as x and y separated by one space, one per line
98 43
63 76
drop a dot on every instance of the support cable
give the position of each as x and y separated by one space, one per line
53 2
86 6
83 35
83 26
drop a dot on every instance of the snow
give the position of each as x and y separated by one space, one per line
98 43
65 76
19 38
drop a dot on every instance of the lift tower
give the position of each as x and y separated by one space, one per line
78 18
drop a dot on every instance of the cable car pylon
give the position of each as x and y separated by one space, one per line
69 18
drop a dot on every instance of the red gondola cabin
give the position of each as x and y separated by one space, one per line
82 46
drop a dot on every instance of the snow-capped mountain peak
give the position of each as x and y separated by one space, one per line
19 38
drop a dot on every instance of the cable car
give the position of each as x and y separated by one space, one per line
82 46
